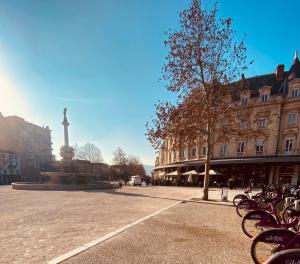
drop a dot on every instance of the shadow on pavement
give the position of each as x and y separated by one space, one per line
183 200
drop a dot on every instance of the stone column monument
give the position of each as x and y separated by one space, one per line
66 152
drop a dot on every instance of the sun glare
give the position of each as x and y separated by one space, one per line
12 100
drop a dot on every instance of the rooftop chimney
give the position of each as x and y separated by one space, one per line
280 72
244 81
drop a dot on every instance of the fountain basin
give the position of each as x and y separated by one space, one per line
69 177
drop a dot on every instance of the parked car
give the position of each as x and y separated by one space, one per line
135 180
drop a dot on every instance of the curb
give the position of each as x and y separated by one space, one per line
199 200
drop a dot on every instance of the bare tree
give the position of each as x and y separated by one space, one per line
89 152
127 164
119 157
135 166
203 64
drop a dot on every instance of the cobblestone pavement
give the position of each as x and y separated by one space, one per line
187 233
37 226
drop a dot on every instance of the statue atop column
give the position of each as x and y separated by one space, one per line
66 152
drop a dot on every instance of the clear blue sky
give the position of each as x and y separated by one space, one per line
102 59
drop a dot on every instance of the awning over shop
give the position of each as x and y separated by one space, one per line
174 173
192 172
161 175
211 172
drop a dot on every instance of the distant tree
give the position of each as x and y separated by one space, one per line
203 65
135 166
126 165
88 152
119 157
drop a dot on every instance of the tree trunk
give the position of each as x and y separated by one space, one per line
207 167
206 177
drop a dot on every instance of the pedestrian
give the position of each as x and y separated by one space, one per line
251 184
230 183
190 180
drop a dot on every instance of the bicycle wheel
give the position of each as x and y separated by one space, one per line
286 256
251 219
245 206
269 242
239 198
285 215
262 201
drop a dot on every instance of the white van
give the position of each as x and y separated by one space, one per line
135 180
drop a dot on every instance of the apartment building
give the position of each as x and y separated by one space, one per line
30 142
274 100
9 167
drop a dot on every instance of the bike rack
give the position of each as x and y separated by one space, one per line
224 194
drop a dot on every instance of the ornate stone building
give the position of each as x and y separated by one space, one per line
30 142
273 158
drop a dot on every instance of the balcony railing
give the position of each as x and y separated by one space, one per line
240 154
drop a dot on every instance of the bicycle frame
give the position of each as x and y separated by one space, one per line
265 223
293 243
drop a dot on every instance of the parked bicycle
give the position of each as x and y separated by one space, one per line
266 201
290 256
275 240
257 221
245 196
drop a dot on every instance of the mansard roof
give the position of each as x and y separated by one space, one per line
277 86
257 82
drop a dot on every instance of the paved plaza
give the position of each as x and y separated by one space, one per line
37 226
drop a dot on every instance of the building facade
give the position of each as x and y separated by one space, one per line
9 167
30 142
274 100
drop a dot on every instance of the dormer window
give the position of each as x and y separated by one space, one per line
295 93
264 98
245 100
265 92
